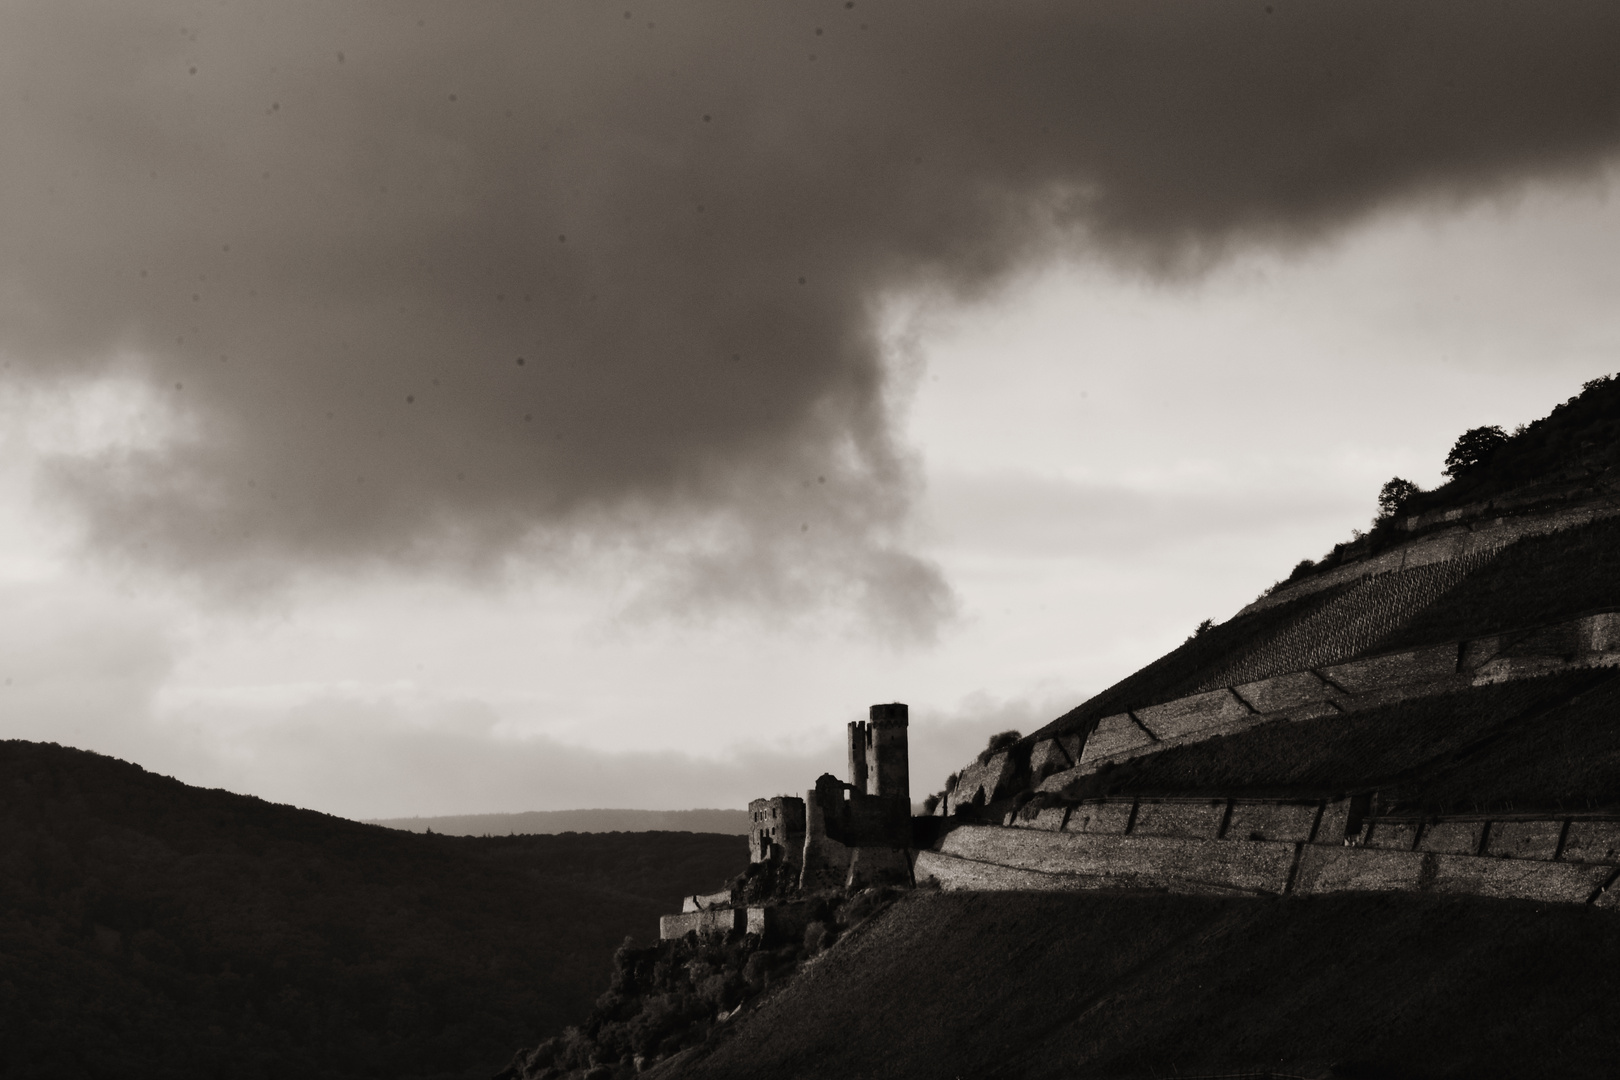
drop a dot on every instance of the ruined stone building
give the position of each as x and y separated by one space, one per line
853 833
859 833
776 830
841 835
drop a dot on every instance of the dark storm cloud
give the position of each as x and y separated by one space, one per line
437 281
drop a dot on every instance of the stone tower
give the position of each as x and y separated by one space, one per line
878 754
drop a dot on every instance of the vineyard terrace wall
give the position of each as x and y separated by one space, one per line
1279 848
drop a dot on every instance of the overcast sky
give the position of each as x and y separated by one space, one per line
417 408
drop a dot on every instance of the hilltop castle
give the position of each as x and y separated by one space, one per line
839 836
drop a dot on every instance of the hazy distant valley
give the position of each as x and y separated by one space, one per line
548 822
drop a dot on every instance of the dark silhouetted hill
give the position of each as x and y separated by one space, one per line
151 929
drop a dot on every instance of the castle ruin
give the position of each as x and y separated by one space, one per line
839 836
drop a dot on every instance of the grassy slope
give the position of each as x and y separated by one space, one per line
150 929
1538 580
1121 985
1181 670
1566 758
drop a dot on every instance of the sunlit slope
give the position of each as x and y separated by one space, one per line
1530 583
1525 538
1071 985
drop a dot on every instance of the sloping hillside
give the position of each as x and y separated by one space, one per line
151 929
1367 827
1551 742
1109 984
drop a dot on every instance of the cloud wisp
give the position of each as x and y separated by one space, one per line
438 286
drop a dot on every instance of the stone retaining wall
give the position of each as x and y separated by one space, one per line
991 858
1592 641
1348 624
1305 695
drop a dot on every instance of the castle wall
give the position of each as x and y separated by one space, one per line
776 830
705 901
825 864
715 921
869 866
860 748
777 924
842 822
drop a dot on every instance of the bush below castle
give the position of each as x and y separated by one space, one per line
669 997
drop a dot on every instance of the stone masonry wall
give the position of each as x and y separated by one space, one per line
1286 849
1305 695
1590 641
716 921
981 782
1300 674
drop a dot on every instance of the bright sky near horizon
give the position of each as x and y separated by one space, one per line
1016 484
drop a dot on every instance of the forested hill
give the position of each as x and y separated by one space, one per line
151 929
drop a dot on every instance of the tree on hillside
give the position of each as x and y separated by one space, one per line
1394 495
1473 449
1005 740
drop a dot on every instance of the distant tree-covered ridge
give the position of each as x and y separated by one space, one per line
534 822
151 929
